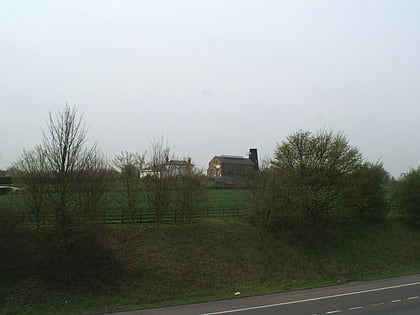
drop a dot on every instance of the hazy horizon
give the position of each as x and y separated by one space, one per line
214 77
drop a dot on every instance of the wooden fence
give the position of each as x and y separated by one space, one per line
110 216
148 216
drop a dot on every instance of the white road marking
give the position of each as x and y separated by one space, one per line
412 298
334 312
396 301
377 304
355 308
312 299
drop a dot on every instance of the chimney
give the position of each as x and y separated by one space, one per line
253 156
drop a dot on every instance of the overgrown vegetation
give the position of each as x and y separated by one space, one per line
174 263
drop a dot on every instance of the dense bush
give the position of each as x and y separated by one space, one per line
365 193
314 180
406 194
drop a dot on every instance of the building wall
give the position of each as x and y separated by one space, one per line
218 169
215 168
236 170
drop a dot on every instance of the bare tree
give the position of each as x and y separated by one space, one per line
32 177
65 153
130 166
75 179
188 188
94 185
160 178
62 174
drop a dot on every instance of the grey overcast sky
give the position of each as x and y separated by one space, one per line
214 77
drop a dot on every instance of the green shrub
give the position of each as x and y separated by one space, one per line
407 195
364 192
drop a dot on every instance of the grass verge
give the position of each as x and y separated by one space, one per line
211 259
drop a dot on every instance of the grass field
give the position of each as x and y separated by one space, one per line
212 259
213 198
216 203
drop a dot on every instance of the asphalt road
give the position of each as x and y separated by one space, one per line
398 295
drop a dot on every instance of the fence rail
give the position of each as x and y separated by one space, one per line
112 216
120 216
144 216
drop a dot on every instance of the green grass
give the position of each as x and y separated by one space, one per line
11 199
213 198
216 203
212 259
228 198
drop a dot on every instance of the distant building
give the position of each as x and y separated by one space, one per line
179 167
233 166
173 168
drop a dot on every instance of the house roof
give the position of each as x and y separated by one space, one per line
178 162
238 160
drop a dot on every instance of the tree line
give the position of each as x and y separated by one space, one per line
67 182
313 178
313 181
70 181
316 180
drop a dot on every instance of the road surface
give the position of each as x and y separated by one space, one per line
397 295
